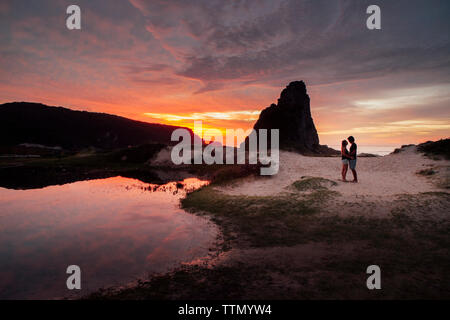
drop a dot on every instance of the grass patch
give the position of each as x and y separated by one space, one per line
291 219
224 174
438 194
426 172
444 183
313 183
440 176
436 149
262 221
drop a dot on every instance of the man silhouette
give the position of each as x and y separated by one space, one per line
352 161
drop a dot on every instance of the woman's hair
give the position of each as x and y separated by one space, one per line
344 143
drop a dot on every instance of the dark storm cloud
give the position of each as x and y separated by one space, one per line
322 41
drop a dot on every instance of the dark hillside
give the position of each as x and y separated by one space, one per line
33 123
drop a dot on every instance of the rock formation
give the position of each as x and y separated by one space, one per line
292 116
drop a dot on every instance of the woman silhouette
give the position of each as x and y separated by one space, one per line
345 159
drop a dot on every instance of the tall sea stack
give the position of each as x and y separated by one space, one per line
292 116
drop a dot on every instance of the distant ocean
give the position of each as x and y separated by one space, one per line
379 150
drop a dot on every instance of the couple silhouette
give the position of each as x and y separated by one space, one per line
349 158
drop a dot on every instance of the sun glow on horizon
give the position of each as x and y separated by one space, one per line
245 115
394 131
234 120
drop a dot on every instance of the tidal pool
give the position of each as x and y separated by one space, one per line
116 230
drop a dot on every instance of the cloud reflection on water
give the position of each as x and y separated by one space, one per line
115 229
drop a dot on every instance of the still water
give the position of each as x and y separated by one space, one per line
116 230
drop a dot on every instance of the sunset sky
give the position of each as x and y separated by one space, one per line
224 61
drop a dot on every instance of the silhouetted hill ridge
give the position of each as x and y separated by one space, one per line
36 123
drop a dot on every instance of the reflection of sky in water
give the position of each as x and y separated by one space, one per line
115 229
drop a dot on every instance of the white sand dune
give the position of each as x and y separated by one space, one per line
378 176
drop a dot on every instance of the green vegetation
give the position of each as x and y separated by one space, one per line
427 172
254 218
224 174
313 183
439 175
290 219
436 150
444 183
262 221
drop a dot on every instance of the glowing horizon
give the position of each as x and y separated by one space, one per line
175 62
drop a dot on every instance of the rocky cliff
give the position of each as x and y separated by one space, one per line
292 116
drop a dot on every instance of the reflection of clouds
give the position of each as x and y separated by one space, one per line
158 255
109 232
136 215
179 239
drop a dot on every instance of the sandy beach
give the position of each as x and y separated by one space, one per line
380 177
